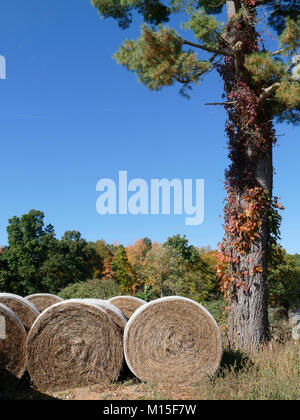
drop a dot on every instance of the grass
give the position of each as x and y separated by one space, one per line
271 374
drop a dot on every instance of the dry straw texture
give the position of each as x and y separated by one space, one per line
127 304
172 340
12 343
73 344
113 311
43 300
22 307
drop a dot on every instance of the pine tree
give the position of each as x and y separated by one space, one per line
260 86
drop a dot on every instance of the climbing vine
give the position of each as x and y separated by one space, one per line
251 137
242 228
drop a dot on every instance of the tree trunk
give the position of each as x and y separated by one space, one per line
249 182
248 325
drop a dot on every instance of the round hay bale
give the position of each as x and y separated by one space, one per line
42 301
113 311
12 343
172 340
74 344
22 307
127 304
118 317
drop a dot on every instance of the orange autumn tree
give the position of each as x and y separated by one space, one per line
136 256
106 254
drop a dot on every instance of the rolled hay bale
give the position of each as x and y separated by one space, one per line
113 311
127 304
74 344
172 340
23 308
42 301
12 343
119 318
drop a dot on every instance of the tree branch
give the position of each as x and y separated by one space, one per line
186 81
268 91
221 103
280 51
202 47
231 9
291 66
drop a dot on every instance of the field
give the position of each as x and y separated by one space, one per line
272 374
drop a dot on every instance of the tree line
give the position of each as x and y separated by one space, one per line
35 261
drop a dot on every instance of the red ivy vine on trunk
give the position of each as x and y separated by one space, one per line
251 136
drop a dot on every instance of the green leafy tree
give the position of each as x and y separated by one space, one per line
296 258
284 281
180 245
103 250
208 258
148 243
72 260
121 270
136 257
105 253
35 261
94 288
167 272
260 85
164 270
147 293
200 280
29 241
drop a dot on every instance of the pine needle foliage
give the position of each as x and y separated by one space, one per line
205 27
288 94
158 59
290 37
264 68
153 11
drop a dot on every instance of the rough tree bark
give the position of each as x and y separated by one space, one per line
251 138
248 326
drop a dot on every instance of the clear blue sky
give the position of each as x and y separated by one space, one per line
70 115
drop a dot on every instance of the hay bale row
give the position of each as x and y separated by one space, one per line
80 341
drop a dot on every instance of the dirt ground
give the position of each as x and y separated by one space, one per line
128 388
